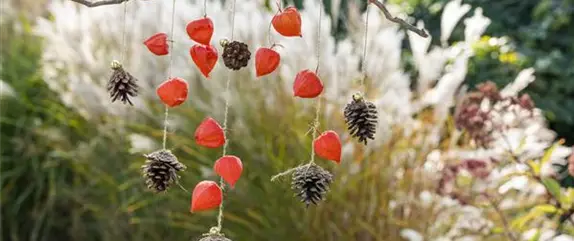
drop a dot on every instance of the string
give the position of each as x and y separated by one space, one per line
318 108
364 66
204 8
123 55
278 3
166 114
315 125
217 230
319 36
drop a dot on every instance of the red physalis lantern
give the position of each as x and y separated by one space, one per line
288 22
209 134
206 195
229 168
307 84
200 30
157 44
328 146
204 57
266 61
173 92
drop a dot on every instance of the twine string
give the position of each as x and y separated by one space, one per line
365 42
166 113
319 36
124 47
204 8
315 125
217 229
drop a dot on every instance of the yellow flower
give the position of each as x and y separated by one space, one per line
510 57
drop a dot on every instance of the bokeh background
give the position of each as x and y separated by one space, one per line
70 167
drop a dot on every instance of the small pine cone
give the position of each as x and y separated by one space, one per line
160 170
214 237
311 183
236 54
122 84
361 118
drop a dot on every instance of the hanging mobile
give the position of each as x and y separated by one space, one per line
360 114
161 167
122 85
310 181
208 195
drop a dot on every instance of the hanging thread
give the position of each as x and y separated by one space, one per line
315 125
319 36
365 42
123 55
318 107
166 113
217 229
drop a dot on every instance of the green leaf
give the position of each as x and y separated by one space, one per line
546 208
535 166
546 158
497 230
535 212
552 186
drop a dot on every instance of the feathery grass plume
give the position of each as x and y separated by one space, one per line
122 84
160 170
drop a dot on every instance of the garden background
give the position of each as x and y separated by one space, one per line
70 163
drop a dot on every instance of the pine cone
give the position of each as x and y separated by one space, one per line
361 118
235 54
122 84
214 237
311 183
160 170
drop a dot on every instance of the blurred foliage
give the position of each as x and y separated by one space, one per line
542 35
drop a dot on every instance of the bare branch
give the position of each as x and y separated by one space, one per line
380 5
92 4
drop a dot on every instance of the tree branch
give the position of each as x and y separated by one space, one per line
421 32
92 4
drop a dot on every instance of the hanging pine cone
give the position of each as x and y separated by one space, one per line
214 237
122 84
235 54
160 170
311 183
361 118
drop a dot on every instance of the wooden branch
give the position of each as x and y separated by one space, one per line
92 4
421 32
